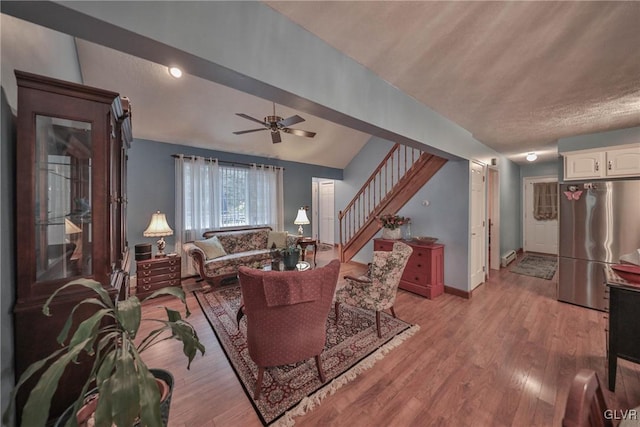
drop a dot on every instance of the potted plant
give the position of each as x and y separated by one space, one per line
118 371
290 256
391 225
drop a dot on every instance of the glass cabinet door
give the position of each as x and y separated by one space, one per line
62 217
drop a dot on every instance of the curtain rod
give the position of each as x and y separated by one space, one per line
226 162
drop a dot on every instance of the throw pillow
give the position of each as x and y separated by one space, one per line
277 237
212 247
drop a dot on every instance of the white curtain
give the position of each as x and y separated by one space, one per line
198 201
266 199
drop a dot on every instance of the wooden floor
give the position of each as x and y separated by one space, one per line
505 357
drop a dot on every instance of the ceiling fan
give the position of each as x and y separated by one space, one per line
276 124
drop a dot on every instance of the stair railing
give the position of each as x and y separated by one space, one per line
365 205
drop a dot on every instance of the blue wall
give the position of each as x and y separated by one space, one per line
541 169
510 206
446 217
600 139
151 184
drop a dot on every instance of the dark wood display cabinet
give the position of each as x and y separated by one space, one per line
70 211
424 273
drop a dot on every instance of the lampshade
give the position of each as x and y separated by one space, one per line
70 227
302 217
158 226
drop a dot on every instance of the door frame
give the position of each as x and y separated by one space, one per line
533 179
493 200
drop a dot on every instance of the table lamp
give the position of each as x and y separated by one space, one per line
300 220
158 227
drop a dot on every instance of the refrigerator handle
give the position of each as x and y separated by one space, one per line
597 166
610 165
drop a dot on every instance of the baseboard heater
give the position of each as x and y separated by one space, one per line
507 258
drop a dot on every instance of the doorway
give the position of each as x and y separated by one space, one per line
539 235
323 210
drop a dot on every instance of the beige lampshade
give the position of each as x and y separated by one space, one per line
70 227
158 227
302 217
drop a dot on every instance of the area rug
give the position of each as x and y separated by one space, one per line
540 266
288 391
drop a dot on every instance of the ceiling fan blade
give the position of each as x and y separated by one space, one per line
275 137
299 132
252 119
240 132
290 121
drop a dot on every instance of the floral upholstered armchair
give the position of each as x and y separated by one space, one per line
376 291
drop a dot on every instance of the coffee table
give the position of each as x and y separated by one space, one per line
300 266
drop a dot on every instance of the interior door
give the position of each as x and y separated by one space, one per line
315 206
539 236
478 214
326 195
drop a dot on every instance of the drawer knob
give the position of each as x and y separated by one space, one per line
419 265
146 288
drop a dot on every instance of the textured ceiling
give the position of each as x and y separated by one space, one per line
517 75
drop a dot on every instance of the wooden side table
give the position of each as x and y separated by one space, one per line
308 241
156 273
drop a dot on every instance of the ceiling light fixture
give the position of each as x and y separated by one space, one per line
175 72
531 157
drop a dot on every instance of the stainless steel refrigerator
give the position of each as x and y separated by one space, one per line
599 221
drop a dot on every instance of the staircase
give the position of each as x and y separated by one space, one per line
402 172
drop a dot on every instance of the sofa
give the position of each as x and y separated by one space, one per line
221 252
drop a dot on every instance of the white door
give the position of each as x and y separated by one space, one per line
539 236
326 212
478 214
315 205
493 184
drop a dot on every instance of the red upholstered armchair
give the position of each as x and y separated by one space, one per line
286 314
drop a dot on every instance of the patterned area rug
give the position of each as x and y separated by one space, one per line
288 391
540 266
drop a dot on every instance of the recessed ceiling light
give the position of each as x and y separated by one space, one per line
532 157
175 72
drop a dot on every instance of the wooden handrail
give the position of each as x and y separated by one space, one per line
369 200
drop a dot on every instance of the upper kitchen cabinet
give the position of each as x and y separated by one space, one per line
618 162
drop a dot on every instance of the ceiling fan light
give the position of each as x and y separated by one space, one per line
175 72
531 157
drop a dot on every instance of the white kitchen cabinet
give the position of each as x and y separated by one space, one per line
623 161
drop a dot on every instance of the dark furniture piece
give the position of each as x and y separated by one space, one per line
157 273
424 273
70 211
286 315
304 242
586 404
624 329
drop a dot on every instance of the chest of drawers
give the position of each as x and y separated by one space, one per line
424 273
157 273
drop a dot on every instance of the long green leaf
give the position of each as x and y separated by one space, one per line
125 394
103 410
129 314
36 410
88 328
149 398
28 373
87 283
171 290
67 325
173 315
190 342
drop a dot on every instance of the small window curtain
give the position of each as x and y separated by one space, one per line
265 203
545 201
198 200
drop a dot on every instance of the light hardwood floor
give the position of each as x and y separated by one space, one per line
505 357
